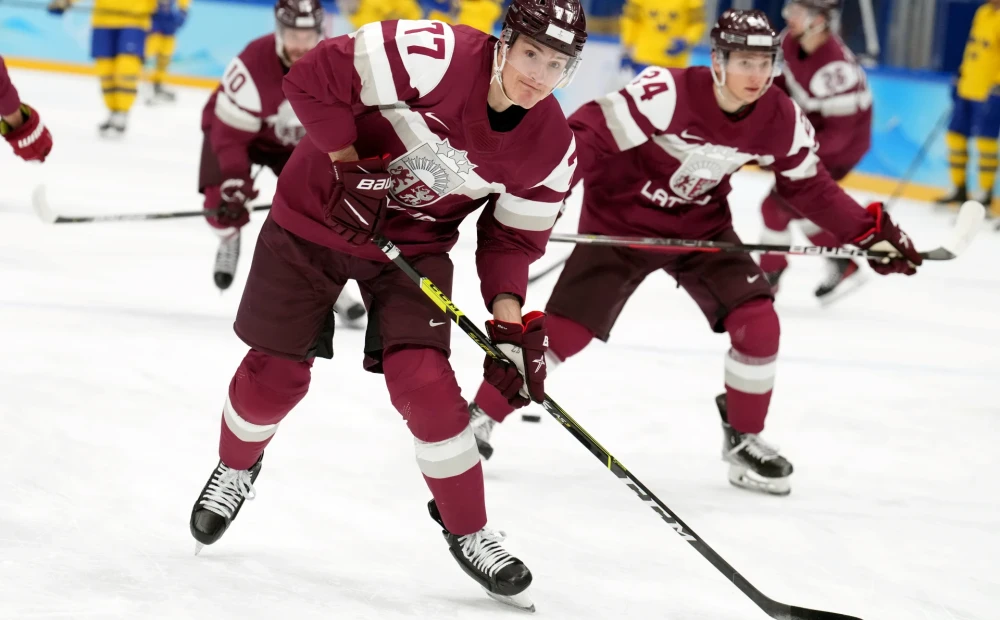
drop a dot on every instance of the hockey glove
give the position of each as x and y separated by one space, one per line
886 236
677 46
525 345
234 194
58 7
360 199
31 141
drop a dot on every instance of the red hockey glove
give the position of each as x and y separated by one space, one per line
886 236
234 194
525 345
360 199
32 140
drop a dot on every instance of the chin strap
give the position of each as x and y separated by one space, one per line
500 50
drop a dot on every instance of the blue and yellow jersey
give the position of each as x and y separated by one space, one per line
651 29
980 69
167 7
480 14
116 14
369 11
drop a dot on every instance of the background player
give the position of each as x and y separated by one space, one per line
117 40
20 124
467 122
822 75
162 41
976 108
659 33
656 160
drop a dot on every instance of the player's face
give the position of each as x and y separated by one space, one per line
799 19
298 42
748 74
532 70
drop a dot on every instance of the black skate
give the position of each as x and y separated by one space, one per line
753 464
350 310
504 577
226 258
482 428
220 501
845 277
772 278
958 196
115 126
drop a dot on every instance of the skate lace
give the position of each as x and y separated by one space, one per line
484 551
757 448
227 489
228 255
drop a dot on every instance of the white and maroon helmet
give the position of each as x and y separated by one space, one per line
558 24
296 15
740 30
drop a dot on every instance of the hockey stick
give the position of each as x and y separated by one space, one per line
44 211
918 158
970 218
778 611
544 272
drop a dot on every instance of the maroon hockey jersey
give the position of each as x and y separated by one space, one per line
416 90
9 101
657 157
832 88
248 109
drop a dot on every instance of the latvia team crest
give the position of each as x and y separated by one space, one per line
428 173
697 176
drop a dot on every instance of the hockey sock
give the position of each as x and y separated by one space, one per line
566 338
424 390
958 157
160 48
776 219
127 70
987 148
106 73
263 390
750 363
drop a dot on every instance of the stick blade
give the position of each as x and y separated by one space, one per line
801 613
40 203
970 219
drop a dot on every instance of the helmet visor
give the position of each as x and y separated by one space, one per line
540 63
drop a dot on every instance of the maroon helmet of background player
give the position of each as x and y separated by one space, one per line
802 16
744 50
555 32
298 28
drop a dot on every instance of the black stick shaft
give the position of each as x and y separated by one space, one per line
130 217
779 611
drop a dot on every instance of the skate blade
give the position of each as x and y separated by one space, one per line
519 601
847 287
745 478
198 547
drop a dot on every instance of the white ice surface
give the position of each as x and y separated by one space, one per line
117 350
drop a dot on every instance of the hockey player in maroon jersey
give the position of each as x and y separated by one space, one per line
412 126
248 121
822 75
656 159
20 124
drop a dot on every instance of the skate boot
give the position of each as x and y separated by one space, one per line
220 501
504 577
753 464
161 95
115 126
772 279
482 428
845 277
350 310
227 257
958 196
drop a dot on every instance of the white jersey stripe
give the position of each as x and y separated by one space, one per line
235 116
372 64
623 128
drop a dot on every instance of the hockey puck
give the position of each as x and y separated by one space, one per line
530 417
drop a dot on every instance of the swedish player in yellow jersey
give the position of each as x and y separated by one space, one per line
480 14
162 41
976 110
660 32
119 33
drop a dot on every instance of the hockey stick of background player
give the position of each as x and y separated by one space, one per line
919 158
544 272
970 218
779 611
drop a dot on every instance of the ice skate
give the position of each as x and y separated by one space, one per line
845 277
227 257
350 310
957 197
504 577
220 501
115 126
482 428
772 278
753 464
161 95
